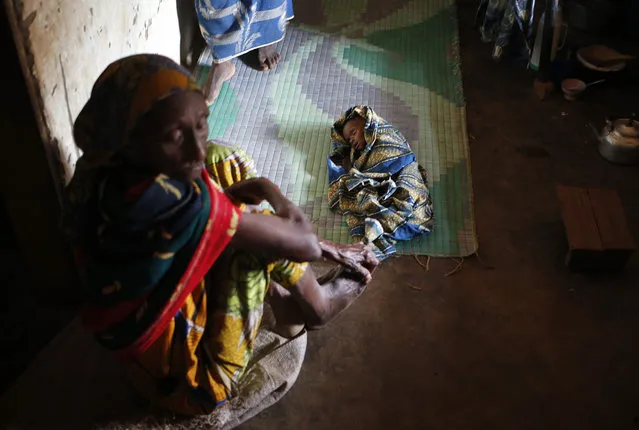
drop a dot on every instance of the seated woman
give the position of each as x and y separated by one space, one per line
375 181
176 273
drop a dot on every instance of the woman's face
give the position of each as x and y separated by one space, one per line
171 138
354 132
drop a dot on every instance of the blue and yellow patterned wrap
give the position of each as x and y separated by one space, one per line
384 196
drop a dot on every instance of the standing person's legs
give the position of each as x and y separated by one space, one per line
267 56
191 41
227 41
219 73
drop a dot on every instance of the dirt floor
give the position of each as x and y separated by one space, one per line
525 344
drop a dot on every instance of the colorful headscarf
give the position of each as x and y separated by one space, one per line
123 93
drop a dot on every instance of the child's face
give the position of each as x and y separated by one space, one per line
354 132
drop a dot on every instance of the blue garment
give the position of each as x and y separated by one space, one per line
498 19
234 27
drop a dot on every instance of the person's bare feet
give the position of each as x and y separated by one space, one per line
268 57
316 301
219 74
339 293
342 286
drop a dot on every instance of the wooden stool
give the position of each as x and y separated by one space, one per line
596 227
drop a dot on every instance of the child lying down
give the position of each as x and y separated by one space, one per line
376 183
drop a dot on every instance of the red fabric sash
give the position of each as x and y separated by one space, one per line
222 222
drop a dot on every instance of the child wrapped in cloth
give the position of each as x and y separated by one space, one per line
376 183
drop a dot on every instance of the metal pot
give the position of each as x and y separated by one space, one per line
619 141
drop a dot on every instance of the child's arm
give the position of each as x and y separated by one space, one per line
346 163
343 160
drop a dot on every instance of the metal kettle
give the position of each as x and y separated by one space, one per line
619 141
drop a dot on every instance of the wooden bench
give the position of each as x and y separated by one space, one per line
596 228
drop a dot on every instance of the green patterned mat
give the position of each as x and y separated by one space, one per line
403 60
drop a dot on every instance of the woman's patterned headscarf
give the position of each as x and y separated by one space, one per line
123 93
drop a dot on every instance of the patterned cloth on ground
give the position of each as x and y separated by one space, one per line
233 28
384 196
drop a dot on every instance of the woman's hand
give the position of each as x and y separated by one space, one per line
358 258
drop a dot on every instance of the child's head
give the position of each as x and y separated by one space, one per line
353 132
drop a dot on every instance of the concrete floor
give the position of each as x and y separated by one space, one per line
524 345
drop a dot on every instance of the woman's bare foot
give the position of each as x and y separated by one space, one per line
321 299
334 292
218 74
340 287
267 57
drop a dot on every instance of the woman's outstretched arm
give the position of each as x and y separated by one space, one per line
288 235
277 237
285 238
